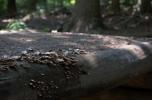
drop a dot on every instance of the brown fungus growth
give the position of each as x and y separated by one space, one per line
62 69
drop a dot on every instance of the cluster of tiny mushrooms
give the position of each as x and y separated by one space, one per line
62 59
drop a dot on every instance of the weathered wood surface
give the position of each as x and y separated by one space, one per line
105 69
142 82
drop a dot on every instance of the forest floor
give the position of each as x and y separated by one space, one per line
122 25
138 28
42 32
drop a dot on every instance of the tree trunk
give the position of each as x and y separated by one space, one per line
86 17
61 3
11 8
101 70
141 82
115 6
32 5
146 6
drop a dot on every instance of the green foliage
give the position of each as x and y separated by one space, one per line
47 6
69 2
42 6
2 5
16 25
128 3
63 3
72 2
46 29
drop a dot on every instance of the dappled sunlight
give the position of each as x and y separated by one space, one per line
118 56
112 40
70 44
65 37
79 25
22 39
59 36
7 20
33 31
148 45
90 60
2 32
135 50
22 32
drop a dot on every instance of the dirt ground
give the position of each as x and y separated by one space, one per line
124 25
139 26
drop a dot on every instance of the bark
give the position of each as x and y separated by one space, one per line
11 8
146 6
32 5
86 17
104 69
141 81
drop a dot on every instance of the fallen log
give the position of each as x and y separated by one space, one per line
141 82
29 80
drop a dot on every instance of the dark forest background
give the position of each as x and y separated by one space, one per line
123 17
